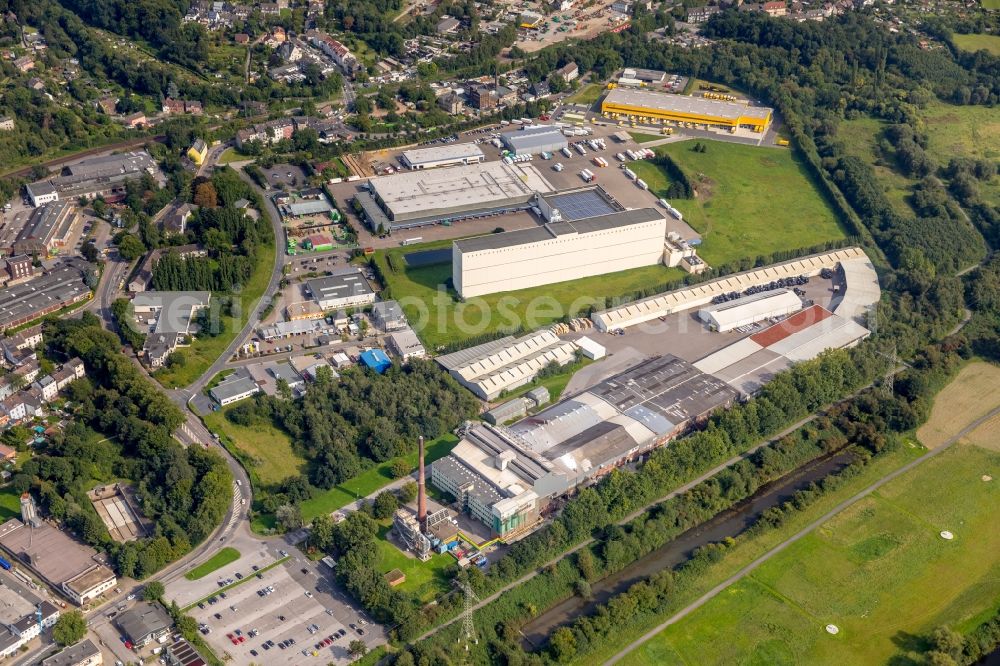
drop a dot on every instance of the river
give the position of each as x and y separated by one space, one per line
728 523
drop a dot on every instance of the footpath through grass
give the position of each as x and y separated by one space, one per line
879 571
742 553
204 351
371 480
751 200
225 556
364 484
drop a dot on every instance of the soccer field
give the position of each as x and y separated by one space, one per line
879 571
751 200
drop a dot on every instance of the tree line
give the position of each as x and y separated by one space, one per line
122 429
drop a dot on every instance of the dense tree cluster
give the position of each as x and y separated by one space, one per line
122 430
231 237
344 425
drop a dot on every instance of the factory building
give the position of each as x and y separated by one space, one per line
655 106
348 289
452 154
647 309
491 368
48 229
534 139
56 288
97 176
750 363
424 197
751 309
505 477
558 252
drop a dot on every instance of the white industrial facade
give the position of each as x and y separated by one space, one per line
558 252
443 156
491 368
687 298
748 310
535 139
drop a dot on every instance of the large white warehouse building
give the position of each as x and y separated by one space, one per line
748 310
451 154
558 252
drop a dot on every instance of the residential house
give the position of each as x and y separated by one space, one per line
451 103
198 152
25 63
775 8
241 38
6 123
569 72
107 105
134 120
35 83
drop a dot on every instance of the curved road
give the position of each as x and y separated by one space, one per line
711 594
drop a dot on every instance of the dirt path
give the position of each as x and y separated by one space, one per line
711 594
974 392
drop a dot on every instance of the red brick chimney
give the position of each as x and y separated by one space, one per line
421 490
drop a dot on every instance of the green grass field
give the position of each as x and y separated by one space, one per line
371 480
879 571
973 43
640 137
588 94
232 155
204 351
990 4
10 504
274 458
751 201
438 319
953 131
220 559
425 580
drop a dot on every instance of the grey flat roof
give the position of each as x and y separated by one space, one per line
143 620
536 234
668 103
235 384
451 151
73 655
387 311
410 193
39 188
341 285
62 284
318 206
534 136
668 385
175 308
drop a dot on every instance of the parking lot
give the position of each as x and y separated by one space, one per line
285 174
611 178
293 604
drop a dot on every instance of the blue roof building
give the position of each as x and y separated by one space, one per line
376 359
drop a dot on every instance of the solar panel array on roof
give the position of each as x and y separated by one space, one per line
582 204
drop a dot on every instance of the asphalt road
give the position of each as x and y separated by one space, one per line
253 318
711 594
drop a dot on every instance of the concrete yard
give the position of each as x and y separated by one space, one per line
681 334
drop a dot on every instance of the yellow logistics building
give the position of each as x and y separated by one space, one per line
198 151
646 105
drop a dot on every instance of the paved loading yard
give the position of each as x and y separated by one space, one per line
681 334
303 599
